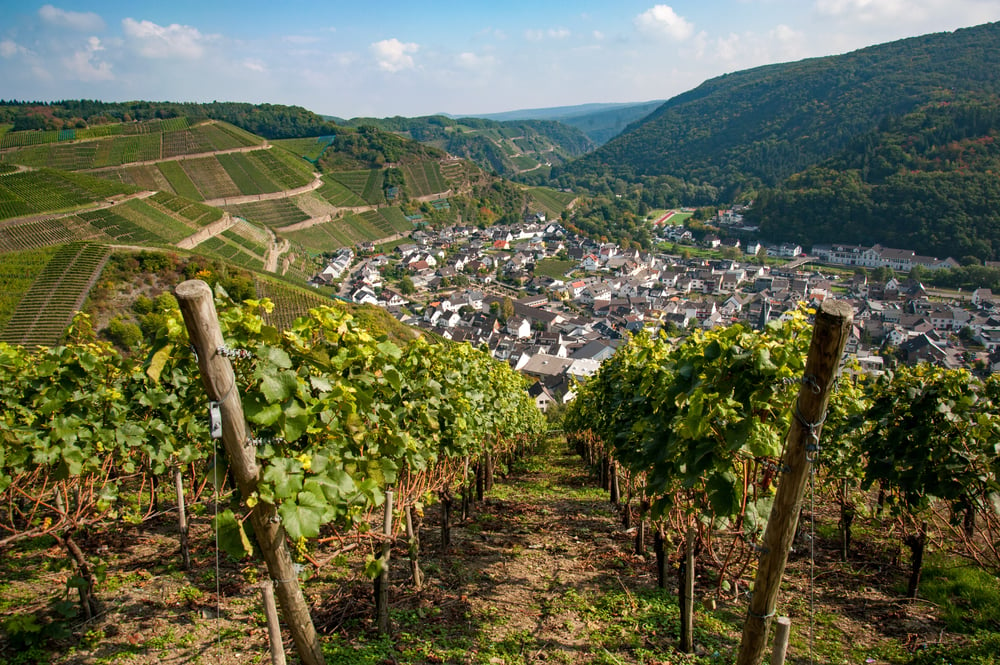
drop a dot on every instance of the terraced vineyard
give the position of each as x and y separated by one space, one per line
423 178
198 214
338 194
551 201
218 176
155 217
459 173
18 271
46 190
35 234
309 149
274 214
290 302
341 232
368 183
46 310
115 145
388 221
233 248
121 229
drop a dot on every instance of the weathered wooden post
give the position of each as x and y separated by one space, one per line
780 647
830 333
202 322
382 581
413 543
182 524
273 627
687 592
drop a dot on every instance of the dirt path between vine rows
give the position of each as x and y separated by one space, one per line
542 570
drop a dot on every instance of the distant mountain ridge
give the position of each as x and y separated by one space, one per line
599 121
758 126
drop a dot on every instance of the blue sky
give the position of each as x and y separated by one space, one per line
416 58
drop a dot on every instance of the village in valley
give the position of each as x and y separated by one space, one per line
554 304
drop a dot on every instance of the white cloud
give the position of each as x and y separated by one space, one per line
82 21
157 41
254 65
598 35
85 66
8 49
662 20
472 61
393 55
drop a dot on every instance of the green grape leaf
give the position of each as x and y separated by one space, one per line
302 517
233 537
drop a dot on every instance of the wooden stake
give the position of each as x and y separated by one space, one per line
382 583
687 593
780 647
414 545
182 524
202 322
830 333
273 627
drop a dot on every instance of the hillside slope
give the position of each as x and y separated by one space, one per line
926 181
760 125
507 148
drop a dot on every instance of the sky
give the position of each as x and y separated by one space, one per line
412 58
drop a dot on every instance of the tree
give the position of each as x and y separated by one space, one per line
406 286
507 309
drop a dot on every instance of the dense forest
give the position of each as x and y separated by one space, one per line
925 181
756 127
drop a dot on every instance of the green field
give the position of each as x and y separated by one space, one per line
348 230
116 145
338 194
197 213
423 178
310 149
44 190
274 214
554 268
179 180
551 201
18 271
150 215
290 302
368 184
121 229
45 311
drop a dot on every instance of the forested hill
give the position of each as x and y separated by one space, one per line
926 181
761 125
508 148
272 121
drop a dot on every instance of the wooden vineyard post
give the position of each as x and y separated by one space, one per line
182 524
780 647
830 333
687 593
273 627
202 323
413 541
382 581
